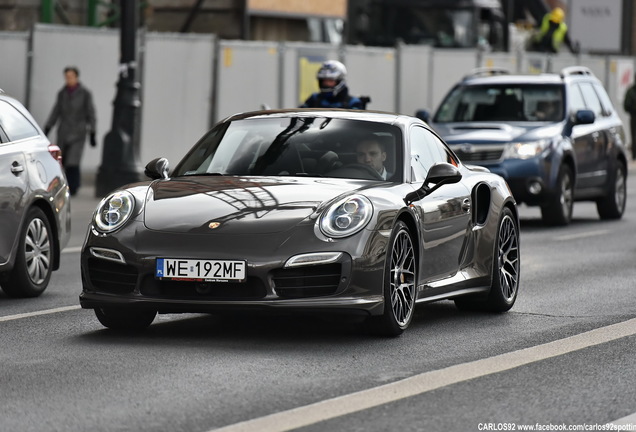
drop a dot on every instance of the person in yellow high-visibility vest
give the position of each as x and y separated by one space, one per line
553 32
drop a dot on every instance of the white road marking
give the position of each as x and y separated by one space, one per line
415 385
73 249
38 313
581 235
425 382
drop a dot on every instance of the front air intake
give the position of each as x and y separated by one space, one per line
307 281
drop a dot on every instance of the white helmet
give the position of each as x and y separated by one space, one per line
332 69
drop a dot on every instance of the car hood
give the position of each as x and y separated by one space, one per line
230 205
489 133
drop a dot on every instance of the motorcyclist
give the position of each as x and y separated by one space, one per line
334 92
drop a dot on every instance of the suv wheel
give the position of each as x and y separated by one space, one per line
612 205
558 211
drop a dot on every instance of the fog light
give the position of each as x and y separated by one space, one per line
535 187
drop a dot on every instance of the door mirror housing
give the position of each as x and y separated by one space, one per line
440 174
157 169
584 117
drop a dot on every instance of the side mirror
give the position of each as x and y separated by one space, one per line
423 115
584 117
157 169
440 174
443 173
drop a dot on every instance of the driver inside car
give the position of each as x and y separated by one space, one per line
370 151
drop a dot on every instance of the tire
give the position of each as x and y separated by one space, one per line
559 210
122 319
612 206
400 284
34 259
505 271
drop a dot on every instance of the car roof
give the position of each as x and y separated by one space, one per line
490 76
514 79
364 115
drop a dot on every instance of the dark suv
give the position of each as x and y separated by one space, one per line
555 138
35 217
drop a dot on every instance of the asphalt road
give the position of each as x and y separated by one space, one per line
563 357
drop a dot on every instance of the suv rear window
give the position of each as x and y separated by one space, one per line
502 103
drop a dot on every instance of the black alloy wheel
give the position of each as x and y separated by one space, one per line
400 284
505 271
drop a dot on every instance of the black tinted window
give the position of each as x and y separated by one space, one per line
14 124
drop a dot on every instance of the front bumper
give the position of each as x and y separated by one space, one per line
370 305
125 277
531 180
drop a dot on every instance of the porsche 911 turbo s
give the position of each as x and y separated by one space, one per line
328 211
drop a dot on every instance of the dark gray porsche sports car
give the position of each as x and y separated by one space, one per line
323 211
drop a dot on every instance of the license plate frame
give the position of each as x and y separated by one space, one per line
201 270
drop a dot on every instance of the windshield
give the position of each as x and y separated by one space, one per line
525 103
298 146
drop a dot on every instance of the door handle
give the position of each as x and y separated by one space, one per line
16 168
466 205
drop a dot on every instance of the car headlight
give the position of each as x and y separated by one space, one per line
526 150
347 216
113 211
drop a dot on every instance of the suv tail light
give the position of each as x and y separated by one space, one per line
56 152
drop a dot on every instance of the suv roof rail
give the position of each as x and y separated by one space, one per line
487 71
576 70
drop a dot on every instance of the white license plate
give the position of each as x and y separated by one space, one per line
200 270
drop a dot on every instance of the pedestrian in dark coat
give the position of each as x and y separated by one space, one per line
74 113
